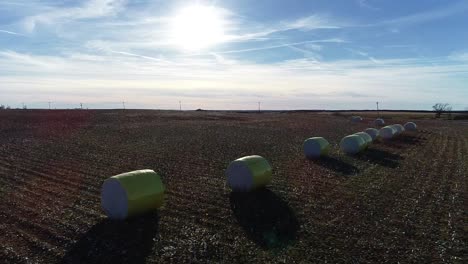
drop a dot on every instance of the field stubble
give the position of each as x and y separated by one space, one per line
401 201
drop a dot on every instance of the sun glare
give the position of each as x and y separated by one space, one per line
197 27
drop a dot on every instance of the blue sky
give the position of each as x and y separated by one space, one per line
231 54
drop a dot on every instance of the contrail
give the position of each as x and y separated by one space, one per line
11 32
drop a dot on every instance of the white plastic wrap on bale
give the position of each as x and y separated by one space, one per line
248 173
352 144
315 147
132 193
395 130
411 126
387 132
399 128
356 119
372 132
367 139
379 122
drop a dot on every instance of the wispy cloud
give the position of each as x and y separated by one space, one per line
90 9
153 82
11 32
310 23
459 56
365 4
433 14
113 49
334 40
364 54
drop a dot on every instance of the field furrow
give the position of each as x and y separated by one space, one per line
402 200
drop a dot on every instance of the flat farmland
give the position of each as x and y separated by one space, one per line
399 201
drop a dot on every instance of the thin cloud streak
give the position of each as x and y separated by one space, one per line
429 15
90 9
365 4
12 33
336 40
139 56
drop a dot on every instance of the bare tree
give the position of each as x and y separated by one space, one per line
2 107
441 108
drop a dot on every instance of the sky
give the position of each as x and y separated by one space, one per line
309 54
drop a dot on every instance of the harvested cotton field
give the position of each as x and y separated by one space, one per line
400 200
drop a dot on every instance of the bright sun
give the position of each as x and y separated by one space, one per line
197 27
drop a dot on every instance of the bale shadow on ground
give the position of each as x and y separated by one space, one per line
379 157
403 141
109 241
266 218
336 165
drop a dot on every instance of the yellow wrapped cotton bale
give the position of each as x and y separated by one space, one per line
315 147
132 193
248 173
352 144
372 132
411 126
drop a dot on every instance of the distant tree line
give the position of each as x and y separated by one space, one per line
7 107
441 108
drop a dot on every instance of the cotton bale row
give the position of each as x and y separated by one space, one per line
132 193
316 147
411 126
248 173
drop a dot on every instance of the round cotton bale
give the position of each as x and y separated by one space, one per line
315 147
379 122
387 132
395 130
352 144
132 193
356 119
372 132
399 128
367 139
248 173
411 126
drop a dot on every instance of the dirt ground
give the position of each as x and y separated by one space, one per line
400 201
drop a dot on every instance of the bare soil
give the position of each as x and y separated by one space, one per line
400 201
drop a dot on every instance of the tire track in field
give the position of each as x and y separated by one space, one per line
415 223
454 238
425 213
